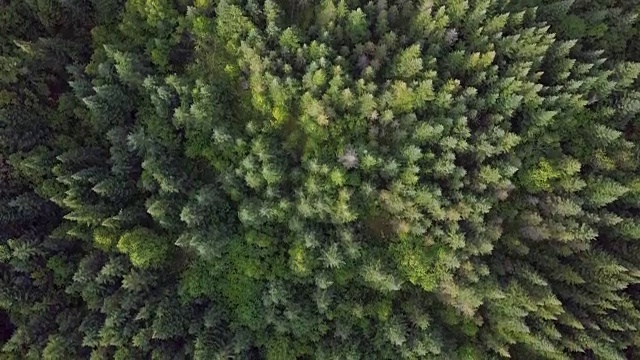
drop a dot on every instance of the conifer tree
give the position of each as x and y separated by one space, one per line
252 179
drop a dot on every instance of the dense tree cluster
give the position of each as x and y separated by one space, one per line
330 179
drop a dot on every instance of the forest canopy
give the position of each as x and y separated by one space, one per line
326 179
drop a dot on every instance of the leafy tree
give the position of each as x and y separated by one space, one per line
144 247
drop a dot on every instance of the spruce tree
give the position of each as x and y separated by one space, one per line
338 179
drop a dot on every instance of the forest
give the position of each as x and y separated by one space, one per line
319 179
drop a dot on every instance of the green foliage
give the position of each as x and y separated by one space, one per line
105 238
144 247
342 179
